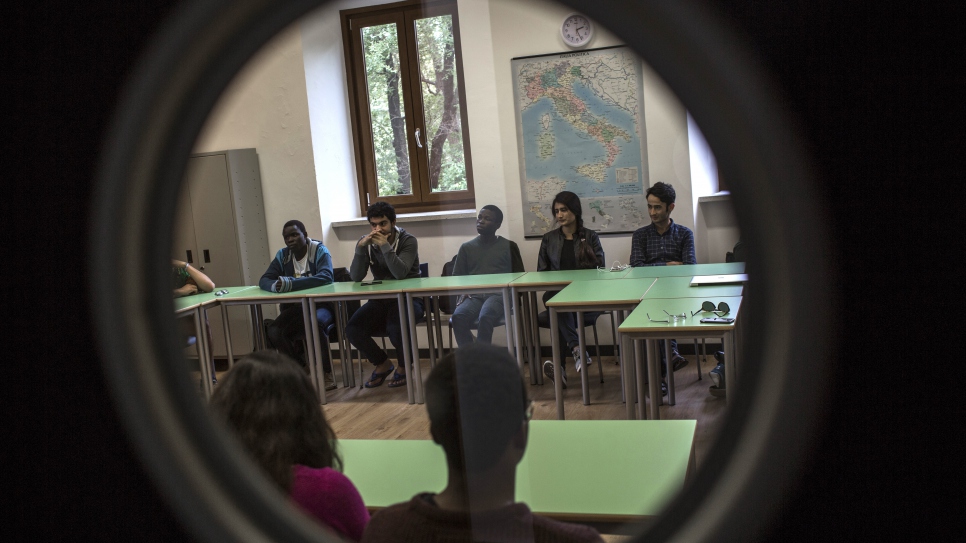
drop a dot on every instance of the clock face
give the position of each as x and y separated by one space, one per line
576 30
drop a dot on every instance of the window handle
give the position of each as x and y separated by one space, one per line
418 143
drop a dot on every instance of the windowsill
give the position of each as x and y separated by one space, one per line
723 196
415 217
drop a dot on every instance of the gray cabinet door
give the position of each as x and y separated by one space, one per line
216 243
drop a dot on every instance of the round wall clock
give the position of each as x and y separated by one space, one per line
576 30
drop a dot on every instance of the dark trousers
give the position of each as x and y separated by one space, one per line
379 318
285 331
566 327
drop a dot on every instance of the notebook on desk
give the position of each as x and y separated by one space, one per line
701 280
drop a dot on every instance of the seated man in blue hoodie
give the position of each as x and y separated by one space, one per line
486 253
303 263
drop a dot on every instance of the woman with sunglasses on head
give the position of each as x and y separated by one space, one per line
568 247
269 402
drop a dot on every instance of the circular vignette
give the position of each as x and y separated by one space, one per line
216 490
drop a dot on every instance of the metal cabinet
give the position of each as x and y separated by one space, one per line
220 229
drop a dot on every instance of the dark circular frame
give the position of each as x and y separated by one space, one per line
774 413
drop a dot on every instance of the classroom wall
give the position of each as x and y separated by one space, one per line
266 108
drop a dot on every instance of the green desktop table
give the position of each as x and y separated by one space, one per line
196 305
690 270
626 469
525 289
457 284
355 291
680 287
643 324
581 296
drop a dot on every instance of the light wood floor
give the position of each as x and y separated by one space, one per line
383 413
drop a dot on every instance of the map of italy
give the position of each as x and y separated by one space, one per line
579 116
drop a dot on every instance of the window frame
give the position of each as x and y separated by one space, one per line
403 14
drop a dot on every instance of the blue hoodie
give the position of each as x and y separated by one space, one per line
283 266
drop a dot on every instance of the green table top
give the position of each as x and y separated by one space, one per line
463 282
597 293
719 268
563 277
356 288
638 320
627 469
680 287
186 303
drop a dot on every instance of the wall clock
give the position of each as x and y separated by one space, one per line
576 30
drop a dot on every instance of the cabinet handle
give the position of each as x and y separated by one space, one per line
189 257
418 143
207 256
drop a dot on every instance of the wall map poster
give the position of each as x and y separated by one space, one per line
579 129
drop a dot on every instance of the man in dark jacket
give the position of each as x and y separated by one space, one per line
303 263
391 253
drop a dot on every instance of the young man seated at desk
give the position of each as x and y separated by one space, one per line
303 263
486 253
480 414
391 253
663 243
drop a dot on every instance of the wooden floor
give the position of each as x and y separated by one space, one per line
384 413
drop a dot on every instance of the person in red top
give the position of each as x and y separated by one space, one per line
480 414
268 400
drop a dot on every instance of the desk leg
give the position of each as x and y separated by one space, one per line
202 360
639 368
535 338
666 345
258 327
311 323
654 376
224 323
517 329
557 383
582 347
410 355
507 322
730 381
206 345
627 372
430 331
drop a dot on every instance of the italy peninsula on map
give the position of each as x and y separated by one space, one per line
579 116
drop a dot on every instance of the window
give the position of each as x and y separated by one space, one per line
405 79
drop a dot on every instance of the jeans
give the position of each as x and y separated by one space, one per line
379 318
283 333
485 312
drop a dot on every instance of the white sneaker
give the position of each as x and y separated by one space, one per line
329 381
587 359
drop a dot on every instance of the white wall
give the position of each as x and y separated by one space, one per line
266 108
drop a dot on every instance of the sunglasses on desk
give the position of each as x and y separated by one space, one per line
670 316
721 309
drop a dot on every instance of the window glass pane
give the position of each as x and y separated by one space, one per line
386 109
441 103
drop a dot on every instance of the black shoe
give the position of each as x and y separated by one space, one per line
548 371
717 375
663 388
